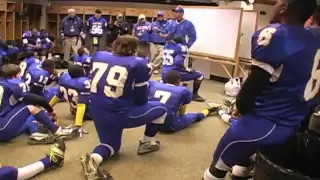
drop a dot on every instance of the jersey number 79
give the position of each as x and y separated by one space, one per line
116 77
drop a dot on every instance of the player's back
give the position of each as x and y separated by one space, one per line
172 96
174 55
37 76
26 64
113 80
71 88
10 91
293 53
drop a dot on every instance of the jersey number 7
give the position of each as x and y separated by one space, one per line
116 77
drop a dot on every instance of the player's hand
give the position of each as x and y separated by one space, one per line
53 115
235 113
55 72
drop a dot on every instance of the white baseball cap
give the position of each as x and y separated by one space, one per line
141 16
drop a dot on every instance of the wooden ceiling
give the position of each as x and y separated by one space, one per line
267 2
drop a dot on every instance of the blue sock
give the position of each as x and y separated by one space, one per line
33 127
46 162
103 151
44 119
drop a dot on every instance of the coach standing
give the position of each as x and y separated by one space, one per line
181 27
142 31
157 41
97 28
71 30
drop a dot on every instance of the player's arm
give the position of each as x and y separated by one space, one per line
192 34
185 99
265 45
82 101
141 90
20 92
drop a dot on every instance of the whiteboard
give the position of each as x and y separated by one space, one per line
217 30
248 27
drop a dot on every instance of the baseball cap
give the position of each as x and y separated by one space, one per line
142 16
160 14
178 9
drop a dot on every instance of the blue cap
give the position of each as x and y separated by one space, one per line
178 9
160 14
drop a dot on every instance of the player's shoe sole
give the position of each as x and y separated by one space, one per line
57 152
89 167
46 140
148 147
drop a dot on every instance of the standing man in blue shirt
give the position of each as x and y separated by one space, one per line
157 41
97 28
181 27
142 31
71 30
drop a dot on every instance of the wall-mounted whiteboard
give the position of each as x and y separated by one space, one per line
217 30
248 27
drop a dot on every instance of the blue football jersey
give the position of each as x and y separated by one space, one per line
84 61
26 63
114 79
74 90
172 96
11 91
291 54
174 56
36 76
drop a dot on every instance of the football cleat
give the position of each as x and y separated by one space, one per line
68 133
213 107
39 138
148 147
92 171
57 152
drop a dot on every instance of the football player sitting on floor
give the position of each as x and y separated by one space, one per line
17 104
83 59
7 50
39 76
33 41
176 98
46 45
75 88
174 57
54 159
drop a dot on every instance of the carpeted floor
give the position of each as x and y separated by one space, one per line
183 156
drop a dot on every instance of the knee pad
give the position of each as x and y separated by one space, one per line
160 120
221 165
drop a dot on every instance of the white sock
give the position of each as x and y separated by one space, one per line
42 58
49 55
208 176
31 170
97 158
147 139
224 116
